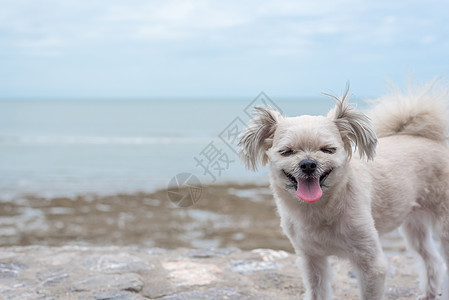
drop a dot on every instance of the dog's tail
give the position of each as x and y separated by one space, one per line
419 112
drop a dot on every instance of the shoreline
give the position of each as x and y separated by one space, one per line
108 190
221 218
227 215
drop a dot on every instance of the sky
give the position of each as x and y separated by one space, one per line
217 49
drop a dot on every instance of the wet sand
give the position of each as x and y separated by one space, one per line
231 215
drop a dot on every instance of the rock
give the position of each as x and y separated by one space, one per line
215 293
250 266
100 273
120 282
208 253
113 263
11 269
400 292
52 277
121 295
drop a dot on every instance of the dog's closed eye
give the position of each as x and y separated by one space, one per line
287 152
328 150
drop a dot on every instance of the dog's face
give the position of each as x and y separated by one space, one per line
307 153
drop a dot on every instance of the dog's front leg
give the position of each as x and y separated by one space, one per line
371 266
316 274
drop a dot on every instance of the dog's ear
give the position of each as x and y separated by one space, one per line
355 127
257 137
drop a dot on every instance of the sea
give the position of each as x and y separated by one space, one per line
70 147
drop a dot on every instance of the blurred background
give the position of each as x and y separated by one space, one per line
102 103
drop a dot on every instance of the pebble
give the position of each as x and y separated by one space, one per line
100 273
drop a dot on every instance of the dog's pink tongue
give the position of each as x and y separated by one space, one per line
309 190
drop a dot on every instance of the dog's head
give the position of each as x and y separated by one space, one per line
307 153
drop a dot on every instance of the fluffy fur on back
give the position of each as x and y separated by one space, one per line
419 112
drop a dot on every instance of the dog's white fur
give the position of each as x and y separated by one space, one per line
404 181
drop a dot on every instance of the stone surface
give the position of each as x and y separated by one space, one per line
98 273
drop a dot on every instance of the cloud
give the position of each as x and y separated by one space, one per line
75 22
175 19
290 24
44 47
186 42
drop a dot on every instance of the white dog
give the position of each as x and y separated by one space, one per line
336 202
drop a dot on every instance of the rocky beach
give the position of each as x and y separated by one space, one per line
134 273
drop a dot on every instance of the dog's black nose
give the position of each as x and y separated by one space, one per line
308 166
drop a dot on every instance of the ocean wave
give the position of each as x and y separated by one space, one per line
101 140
